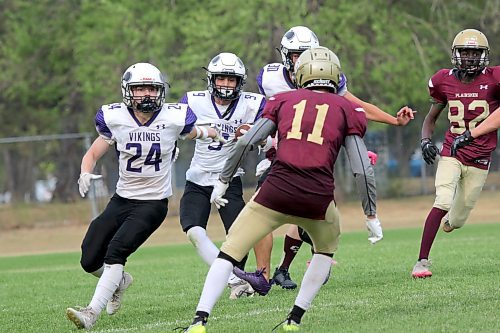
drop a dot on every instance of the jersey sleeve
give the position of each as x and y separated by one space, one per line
434 89
102 128
261 109
184 99
356 119
271 109
190 121
342 89
259 81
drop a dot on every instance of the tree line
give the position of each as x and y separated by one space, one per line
61 59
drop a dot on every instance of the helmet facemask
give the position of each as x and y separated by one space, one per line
225 92
471 64
470 51
146 103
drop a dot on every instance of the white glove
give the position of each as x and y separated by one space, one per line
176 155
84 182
217 194
374 230
219 137
262 167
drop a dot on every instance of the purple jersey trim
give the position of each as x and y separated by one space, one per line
261 109
100 125
190 120
230 109
259 82
342 84
184 99
155 115
287 79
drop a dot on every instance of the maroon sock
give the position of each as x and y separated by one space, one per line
290 249
431 228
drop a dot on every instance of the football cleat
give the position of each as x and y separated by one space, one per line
421 269
83 318
282 278
257 280
196 328
447 227
240 288
288 325
115 302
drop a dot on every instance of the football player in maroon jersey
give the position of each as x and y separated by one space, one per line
312 125
472 92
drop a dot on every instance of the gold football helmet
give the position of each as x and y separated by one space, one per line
470 39
317 68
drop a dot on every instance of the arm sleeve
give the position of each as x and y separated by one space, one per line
102 128
189 123
261 130
364 174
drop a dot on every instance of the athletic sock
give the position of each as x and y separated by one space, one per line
107 285
431 228
290 249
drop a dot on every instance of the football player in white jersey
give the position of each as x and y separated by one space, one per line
227 106
143 129
275 78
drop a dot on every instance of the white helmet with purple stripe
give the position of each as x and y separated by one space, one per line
296 40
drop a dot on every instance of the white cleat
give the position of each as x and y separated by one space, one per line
375 233
240 288
421 270
115 302
83 318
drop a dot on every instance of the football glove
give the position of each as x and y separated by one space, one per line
373 157
217 194
175 155
262 167
429 150
84 182
461 141
375 233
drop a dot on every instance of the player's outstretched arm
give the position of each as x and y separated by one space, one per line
490 124
204 132
364 176
250 141
374 113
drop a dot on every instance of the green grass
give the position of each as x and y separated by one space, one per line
370 290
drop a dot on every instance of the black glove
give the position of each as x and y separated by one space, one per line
461 141
429 150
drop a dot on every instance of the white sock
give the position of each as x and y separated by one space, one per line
98 273
313 279
109 281
204 246
215 283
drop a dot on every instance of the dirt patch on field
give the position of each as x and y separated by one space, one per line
395 213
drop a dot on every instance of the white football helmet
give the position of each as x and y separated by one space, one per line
143 74
227 64
296 40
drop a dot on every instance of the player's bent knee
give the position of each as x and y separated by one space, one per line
90 265
196 235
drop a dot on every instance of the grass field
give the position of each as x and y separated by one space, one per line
370 290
